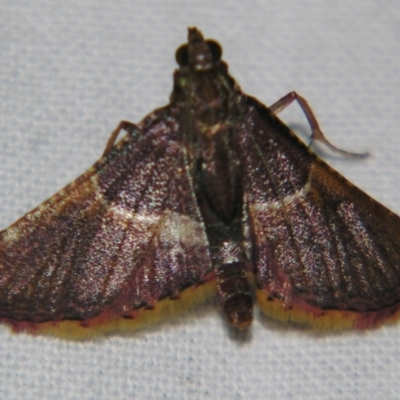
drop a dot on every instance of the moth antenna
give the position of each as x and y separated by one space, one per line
122 126
312 121
317 134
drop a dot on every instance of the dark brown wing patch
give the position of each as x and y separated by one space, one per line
323 248
109 243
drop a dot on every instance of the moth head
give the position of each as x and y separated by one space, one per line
198 54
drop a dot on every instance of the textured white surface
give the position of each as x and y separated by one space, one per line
69 71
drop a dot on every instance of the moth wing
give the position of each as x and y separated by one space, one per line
325 252
121 237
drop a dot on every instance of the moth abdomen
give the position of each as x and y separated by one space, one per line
235 293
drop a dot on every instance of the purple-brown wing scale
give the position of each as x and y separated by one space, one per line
212 193
122 237
324 251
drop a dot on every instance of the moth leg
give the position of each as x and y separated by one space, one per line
123 125
316 132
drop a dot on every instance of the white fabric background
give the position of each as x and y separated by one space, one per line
70 71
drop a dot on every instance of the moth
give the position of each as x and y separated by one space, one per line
211 194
